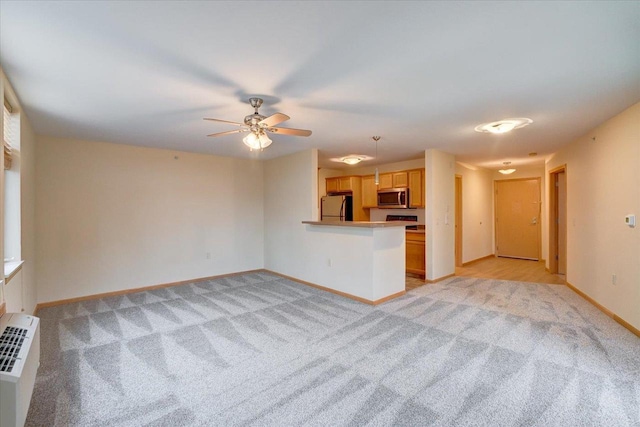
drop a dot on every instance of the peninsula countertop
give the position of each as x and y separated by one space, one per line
361 224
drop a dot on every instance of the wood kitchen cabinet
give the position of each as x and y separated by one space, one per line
332 185
346 183
415 253
342 183
385 181
416 188
369 192
393 180
400 180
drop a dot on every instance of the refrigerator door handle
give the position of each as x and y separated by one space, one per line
342 213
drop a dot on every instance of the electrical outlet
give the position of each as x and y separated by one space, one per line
328 262
614 279
208 255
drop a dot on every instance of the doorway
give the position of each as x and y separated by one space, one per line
458 220
517 218
558 220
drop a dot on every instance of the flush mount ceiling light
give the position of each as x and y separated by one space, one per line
503 126
352 160
506 171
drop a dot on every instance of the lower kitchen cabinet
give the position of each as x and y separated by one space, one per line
415 254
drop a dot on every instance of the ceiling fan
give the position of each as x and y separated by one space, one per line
258 126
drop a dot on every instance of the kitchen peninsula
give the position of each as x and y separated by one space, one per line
359 259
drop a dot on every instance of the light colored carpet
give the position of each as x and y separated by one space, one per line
256 349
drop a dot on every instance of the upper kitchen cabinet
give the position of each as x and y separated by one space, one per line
343 183
369 192
393 180
400 180
412 179
347 183
332 185
385 181
416 188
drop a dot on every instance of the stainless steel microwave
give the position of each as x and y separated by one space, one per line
393 198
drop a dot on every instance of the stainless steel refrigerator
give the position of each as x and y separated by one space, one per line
337 208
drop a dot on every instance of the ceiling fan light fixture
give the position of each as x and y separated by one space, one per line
352 160
265 141
503 126
256 141
251 141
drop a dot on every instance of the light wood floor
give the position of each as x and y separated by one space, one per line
413 281
501 268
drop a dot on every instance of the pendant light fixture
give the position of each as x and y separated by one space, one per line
376 177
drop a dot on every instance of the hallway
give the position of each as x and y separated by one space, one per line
519 270
510 269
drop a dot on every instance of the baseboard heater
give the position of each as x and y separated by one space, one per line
19 361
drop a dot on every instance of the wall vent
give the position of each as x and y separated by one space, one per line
10 344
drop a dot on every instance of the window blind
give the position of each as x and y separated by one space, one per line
8 133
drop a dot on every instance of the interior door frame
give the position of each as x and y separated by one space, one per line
553 217
458 219
495 212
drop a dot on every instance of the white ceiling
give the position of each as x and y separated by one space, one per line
420 74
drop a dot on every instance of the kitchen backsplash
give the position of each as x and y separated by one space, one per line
381 214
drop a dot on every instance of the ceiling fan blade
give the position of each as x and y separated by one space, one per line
274 119
225 121
289 131
229 132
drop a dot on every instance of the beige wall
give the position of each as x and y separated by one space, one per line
290 198
440 214
603 185
112 217
477 212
